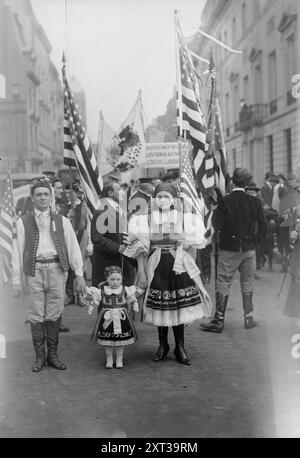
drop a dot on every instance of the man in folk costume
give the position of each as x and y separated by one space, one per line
46 245
242 225
62 208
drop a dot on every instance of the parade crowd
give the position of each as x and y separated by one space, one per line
144 251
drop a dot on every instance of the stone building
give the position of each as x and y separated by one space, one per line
260 114
31 114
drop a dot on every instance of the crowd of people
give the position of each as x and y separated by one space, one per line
145 251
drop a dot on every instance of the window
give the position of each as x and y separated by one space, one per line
246 89
273 82
270 153
244 23
15 90
234 38
227 112
234 162
236 103
271 25
256 9
288 142
290 53
258 84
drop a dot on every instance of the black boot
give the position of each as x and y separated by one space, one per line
52 328
163 344
249 321
38 339
179 351
217 324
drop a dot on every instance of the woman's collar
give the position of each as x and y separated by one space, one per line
110 291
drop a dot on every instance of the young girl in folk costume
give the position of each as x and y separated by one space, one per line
164 244
114 328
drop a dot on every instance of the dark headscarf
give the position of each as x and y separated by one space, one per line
167 187
40 184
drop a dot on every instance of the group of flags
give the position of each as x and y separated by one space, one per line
202 171
208 161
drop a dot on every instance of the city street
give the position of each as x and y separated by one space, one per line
240 384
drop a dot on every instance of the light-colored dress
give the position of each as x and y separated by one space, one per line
175 293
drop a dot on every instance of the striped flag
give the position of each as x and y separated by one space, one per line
7 229
187 182
190 118
191 125
215 136
77 149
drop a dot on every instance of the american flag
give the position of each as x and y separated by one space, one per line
187 182
77 149
216 139
190 118
7 229
191 125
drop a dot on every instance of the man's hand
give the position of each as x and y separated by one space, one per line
80 286
294 236
122 249
89 249
17 290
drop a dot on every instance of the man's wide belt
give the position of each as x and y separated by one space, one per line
48 261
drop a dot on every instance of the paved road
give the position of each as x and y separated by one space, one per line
241 383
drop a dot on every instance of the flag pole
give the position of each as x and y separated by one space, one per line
212 116
100 138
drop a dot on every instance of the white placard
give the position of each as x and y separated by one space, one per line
164 155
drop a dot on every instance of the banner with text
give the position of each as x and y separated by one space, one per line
164 155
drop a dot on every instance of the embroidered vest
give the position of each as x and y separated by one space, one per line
113 300
32 241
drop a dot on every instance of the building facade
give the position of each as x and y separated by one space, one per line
31 114
260 111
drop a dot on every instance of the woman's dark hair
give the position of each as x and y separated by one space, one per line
107 187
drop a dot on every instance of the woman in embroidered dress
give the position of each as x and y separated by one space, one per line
114 328
164 244
292 305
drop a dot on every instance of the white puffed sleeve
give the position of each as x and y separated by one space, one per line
94 293
194 231
131 297
138 236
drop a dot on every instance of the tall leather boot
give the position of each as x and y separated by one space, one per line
38 332
179 351
249 321
217 324
52 329
163 348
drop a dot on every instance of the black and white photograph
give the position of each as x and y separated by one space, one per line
149 222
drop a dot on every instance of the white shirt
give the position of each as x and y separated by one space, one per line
46 247
238 189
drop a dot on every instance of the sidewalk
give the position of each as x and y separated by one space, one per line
240 384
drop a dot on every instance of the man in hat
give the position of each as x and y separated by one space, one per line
241 223
46 245
267 189
139 201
